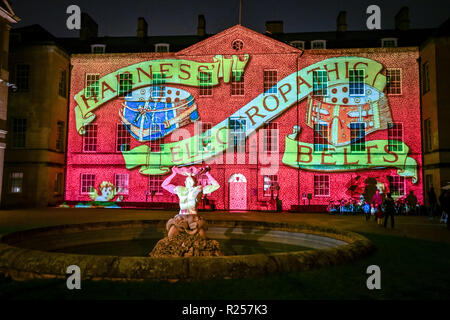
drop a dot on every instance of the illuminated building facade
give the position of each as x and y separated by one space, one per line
269 118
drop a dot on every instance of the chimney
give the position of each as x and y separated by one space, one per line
201 25
142 28
274 27
402 19
89 28
341 22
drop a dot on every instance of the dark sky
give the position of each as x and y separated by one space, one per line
179 17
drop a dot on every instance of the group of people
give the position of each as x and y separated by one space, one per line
385 207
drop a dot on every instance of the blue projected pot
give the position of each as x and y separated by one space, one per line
153 112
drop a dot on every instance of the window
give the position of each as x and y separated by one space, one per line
62 87
357 136
205 83
237 83
155 144
427 135
121 182
389 42
393 81
298 44
123 138
125 84
91 85
425 78
98 48
320 83
87 182
356 82
59 183
60 136
428 183
270 184
204 141
397 186
158 85
237 45
320 136
154 184
395 136
321 185
318 44
16 182
22 77
270 81
238 128
271 137
90 138
19 132
162 47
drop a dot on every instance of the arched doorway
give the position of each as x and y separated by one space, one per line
237 192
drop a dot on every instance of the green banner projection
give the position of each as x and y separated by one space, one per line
175 71
376 154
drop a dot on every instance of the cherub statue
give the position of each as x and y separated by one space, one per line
189 195
107 192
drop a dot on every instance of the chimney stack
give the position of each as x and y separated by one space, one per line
201 25
142 28
89 28
341 22
274 27
402 19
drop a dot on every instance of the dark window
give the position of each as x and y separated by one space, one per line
238 129
125 84
356 82
90 138
425 78
270 82
395 136
320 83
60 136
62 88
357 136
22 77
320 136
123 138
394 81
19 133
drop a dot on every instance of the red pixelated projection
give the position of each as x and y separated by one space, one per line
271 122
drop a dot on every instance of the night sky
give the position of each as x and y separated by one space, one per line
179 17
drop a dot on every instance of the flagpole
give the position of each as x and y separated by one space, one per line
240 12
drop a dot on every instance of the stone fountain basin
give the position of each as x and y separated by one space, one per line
27 254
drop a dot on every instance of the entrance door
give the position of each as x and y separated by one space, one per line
238 192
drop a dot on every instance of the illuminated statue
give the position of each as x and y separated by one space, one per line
189 196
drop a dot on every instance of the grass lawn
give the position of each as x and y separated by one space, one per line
416 267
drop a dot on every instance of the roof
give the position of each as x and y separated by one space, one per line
35 34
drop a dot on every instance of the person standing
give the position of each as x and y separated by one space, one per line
389 210
377 201
433 201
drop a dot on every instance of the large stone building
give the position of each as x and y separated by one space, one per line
37 120
7 17
435 96
336 112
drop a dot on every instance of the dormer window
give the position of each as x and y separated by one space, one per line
98 48
389 42
318 44
162 47
298 44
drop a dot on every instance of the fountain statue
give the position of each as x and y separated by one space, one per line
187 230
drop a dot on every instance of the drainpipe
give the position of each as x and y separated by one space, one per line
419 63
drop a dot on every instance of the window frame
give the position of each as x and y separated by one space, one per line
82 185
125 86
319 87
152 182
273 183
60 132
22 77
399 87
270 86
313 42
94 138
296 42
98 46
317 185
95 84
239 135
124 191
398 145
12 181
384 40
122 133
358 84
205 86
269 145
319 147
237 88
353 145
19 136
162 45
392 182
